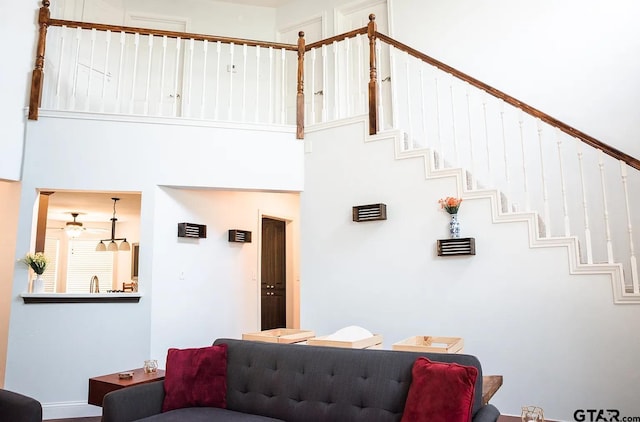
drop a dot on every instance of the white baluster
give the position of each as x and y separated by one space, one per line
106 73
203 97
362 100
271 79
325 86
505 157
347 79
632 260
440 144
75 66
456 158
394 112
407 76
527 199
313 86
486 137
175 77
587 229
545 193
146 91
231 67
256 116
91 55
423 106
283 87
563 186
60 61
136 43
336 83
217 98
607 226
244 82
120 66
163 69
187 107
474 178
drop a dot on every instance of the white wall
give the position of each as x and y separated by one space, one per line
20 27
558 339
92 154
219 277
570 59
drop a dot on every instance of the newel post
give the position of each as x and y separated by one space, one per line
38 71
372 29
300 88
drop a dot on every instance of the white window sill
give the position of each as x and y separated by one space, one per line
81 297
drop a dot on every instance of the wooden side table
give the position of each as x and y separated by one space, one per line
99 386
490 384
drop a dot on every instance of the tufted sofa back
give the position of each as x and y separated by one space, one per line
300 383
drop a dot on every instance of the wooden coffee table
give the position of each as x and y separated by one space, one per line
99 386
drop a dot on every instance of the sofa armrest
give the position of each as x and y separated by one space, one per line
132 403
487 413
17 407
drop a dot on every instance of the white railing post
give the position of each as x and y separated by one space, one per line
632 258
256 117
120 68
456 158
203 97
163 69
407 76
527 199
244 81
545 192
587 229
607 226
472 158
136 43
216 109
563 187
175 78
60 61
439 163
91 56
75 67
230 71
505 158
146 91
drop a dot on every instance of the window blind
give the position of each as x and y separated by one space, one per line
84 262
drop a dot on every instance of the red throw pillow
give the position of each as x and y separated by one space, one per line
440 392
196 378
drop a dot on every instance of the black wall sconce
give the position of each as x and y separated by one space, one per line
195 231
239 236
370 212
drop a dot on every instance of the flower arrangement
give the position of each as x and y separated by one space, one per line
450 204
37 261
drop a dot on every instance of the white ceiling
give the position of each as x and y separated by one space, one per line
92 206
263 3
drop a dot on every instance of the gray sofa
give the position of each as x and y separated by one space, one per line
298 383
16 407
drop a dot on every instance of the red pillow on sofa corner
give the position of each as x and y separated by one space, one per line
196 378
440 392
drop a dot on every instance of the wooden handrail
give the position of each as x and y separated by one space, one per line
340 37
589 140
171 34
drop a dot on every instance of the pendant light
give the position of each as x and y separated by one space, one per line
113 246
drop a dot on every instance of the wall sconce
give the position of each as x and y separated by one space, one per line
113 246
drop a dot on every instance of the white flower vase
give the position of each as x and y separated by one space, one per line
454 227
37 284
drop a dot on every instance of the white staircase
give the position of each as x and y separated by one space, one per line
623 291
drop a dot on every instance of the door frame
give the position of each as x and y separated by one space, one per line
340 11
292 279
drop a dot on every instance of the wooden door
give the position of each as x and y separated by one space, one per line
273 292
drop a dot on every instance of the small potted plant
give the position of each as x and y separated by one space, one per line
38 263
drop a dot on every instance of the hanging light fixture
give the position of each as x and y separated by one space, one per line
113 246
73 228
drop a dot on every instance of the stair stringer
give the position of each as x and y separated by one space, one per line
532 218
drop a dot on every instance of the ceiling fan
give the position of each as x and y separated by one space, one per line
75 228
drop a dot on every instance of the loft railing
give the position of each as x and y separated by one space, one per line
579 185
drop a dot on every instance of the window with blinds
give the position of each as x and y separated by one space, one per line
84 262
50 275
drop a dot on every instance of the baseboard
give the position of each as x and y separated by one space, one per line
69 409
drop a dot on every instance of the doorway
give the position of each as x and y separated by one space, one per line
273 285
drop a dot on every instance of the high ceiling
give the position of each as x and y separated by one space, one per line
263 3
